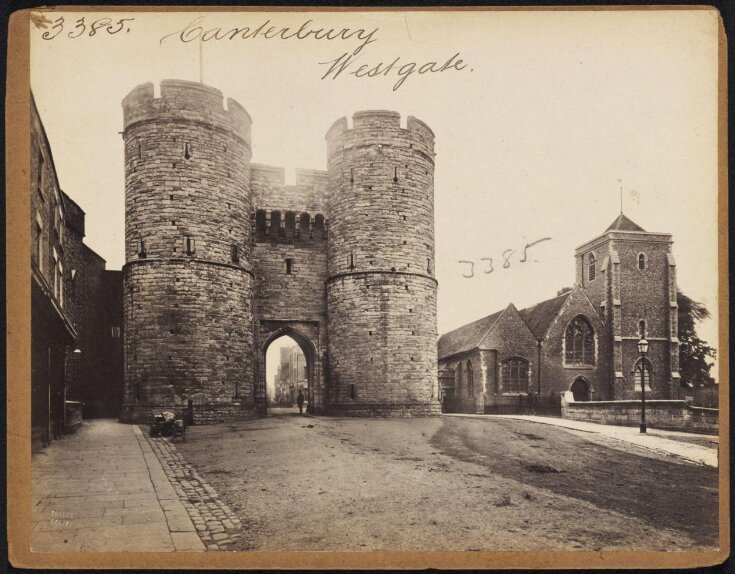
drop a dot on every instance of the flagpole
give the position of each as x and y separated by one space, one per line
201 61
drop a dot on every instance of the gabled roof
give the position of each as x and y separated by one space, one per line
622 223
467 337
539 317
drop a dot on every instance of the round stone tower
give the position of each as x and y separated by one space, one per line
381 290
188 278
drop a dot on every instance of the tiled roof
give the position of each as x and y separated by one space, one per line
622 223
467 337
539 317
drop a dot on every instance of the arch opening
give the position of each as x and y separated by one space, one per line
289 372
581 389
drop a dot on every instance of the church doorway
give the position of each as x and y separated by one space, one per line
288 360
580 389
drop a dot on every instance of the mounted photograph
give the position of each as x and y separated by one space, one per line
419 286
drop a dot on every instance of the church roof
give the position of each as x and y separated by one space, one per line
622 223
467 337
539 317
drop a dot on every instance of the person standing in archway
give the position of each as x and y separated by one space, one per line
300 401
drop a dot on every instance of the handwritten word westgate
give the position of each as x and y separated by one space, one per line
195 31
344 64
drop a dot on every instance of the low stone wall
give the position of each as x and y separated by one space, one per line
660 414
204 414
386 410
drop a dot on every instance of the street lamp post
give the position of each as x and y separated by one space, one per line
643 349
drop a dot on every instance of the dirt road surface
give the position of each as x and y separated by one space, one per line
330 484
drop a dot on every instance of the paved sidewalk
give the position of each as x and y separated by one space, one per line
103 489
654 440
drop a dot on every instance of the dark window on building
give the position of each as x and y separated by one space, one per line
304 223
591 267
189 245
38 243
641 261
115 331
319 227
642 328
428 264
235 254
141 249
275 229
137 391
289 266
290 225
579 342
470 381
351 261
514 375
260 225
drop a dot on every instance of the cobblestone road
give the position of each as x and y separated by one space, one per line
217 526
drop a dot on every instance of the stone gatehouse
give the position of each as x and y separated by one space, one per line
223 258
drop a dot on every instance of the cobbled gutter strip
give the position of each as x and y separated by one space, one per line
215 523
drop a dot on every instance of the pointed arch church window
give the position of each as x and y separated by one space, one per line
579 342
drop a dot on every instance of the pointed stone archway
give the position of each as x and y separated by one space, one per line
306 336
581 389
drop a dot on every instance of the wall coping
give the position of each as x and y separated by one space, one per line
637 403
631 402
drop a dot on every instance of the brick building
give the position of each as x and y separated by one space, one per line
223 258
73 300
583 340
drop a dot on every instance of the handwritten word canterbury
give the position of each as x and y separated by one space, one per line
489 264
344 65
80 26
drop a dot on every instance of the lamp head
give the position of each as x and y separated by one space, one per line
77 351
643 346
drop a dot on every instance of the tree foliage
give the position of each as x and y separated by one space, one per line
694 353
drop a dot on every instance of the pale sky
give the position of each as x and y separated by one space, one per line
532 136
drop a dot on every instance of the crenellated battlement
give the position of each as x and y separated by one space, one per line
380 127
223 255
182 100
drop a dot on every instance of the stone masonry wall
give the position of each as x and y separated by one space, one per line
290 298
660 414
188 304
195 340
382 341
644 296
381 291
556 375
509 338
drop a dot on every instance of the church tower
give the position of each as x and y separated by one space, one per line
630 274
